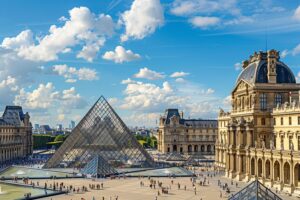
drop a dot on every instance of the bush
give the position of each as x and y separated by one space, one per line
55 144
40 141
59 138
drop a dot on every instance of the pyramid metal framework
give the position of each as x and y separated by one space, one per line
255 191
100 132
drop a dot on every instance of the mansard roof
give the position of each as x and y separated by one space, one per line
12 115
169 113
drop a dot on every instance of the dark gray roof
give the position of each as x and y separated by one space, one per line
12 115
169 113
257 72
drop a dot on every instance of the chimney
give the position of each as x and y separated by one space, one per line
272 59
181 114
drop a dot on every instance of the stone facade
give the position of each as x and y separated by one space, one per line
186 136
260 137
15 134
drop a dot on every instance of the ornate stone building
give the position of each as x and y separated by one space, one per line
260 137
186 136
15 134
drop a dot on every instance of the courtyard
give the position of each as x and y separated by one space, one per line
139 188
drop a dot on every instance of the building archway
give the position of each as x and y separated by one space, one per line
209 148
259 165
268 169
286 173
196 148
190 148
174 148
253 166
276 171
297 175
202 148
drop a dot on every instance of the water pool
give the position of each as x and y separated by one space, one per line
12 191
33 173
172 171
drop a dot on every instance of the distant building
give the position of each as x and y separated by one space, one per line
143 132
45 129
72 125
187 136
59 127
36 126
15 134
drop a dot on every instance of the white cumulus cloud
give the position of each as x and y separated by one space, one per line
296 15
82 28
121 55
149 74
204 22
45 96
23 40
142 19
179 74
71 74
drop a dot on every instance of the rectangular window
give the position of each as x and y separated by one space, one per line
290 142
298 143
278 99
281 142
263 121
263 101
298 120
281 120
274 121
290 120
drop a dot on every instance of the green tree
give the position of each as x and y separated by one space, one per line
59 138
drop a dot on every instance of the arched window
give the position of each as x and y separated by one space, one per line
263 101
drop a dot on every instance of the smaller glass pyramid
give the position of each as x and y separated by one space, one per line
255 191
98 167
176 157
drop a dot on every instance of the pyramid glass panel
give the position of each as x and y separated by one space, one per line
100 132
255 191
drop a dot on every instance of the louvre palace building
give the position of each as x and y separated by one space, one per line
15 134
260 137
186 136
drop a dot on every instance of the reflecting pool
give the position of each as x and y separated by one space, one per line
11 191
172 171
21 172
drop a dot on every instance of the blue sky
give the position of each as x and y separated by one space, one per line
58 57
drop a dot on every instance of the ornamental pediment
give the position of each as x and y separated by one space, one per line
241 86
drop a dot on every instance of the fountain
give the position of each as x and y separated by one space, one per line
20 172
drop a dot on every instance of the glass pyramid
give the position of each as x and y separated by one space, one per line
255 191
98 167
100 132
176 157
